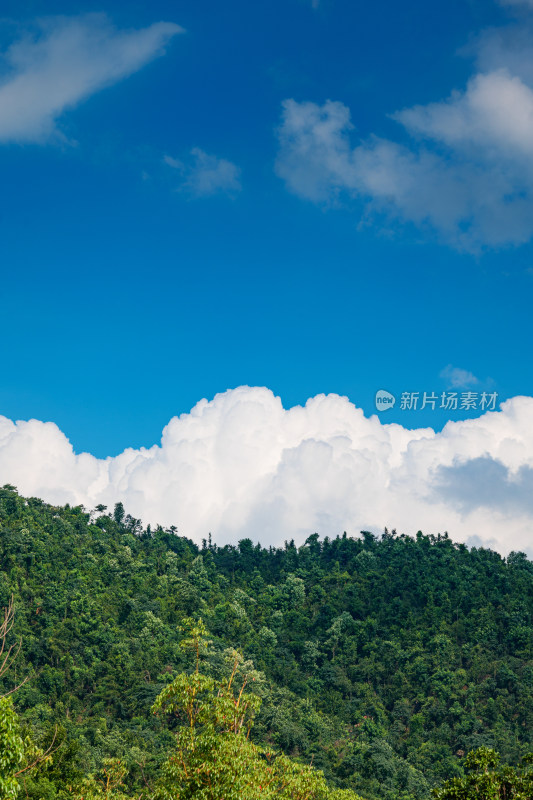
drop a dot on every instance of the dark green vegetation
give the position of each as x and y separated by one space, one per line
486 779
385 661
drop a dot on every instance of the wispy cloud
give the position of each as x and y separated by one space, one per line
458 378
204 175
62 62
467 173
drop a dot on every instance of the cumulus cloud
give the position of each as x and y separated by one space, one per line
204 175
467 171
65 60
458 378
243 466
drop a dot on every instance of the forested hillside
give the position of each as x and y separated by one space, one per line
384 660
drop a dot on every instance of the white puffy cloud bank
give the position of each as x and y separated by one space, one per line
243 466
461 166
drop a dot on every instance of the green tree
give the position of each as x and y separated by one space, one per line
18 755
119 513
214 758
487 780
12 750
106 785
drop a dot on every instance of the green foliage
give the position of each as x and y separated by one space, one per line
487 780
18 755
12 750
107 784
381 661
214 758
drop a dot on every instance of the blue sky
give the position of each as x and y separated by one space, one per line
128 296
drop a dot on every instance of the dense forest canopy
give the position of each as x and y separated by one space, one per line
381 661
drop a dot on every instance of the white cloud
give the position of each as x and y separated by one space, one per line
467 172
458 378
66 60
315 158
494 113
241 465
205 175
